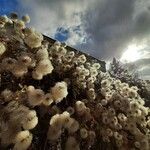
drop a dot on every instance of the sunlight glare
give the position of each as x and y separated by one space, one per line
131 54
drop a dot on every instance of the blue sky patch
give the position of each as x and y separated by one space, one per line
8 6
62 34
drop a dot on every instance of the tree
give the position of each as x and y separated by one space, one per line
122 71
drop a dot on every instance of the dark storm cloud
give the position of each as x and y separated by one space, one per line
107 27
56 14
142 66
142 23
111 25
143 62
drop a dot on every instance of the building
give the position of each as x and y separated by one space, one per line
90 58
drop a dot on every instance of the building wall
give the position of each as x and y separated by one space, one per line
89 57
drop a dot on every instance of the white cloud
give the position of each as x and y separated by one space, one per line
48 16
104 27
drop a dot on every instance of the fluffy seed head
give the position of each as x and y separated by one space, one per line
59 91
2 48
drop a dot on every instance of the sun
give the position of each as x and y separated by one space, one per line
131 54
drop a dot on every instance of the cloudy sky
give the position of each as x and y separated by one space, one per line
102 28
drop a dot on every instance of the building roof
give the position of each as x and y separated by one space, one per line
89 57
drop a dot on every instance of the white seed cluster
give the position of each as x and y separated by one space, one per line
43 66
26 18
34 39
15 118
59 91
2 48
31 121
7 95
120 97
35 96
83 133
23 140
56 94
83 103
59 122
